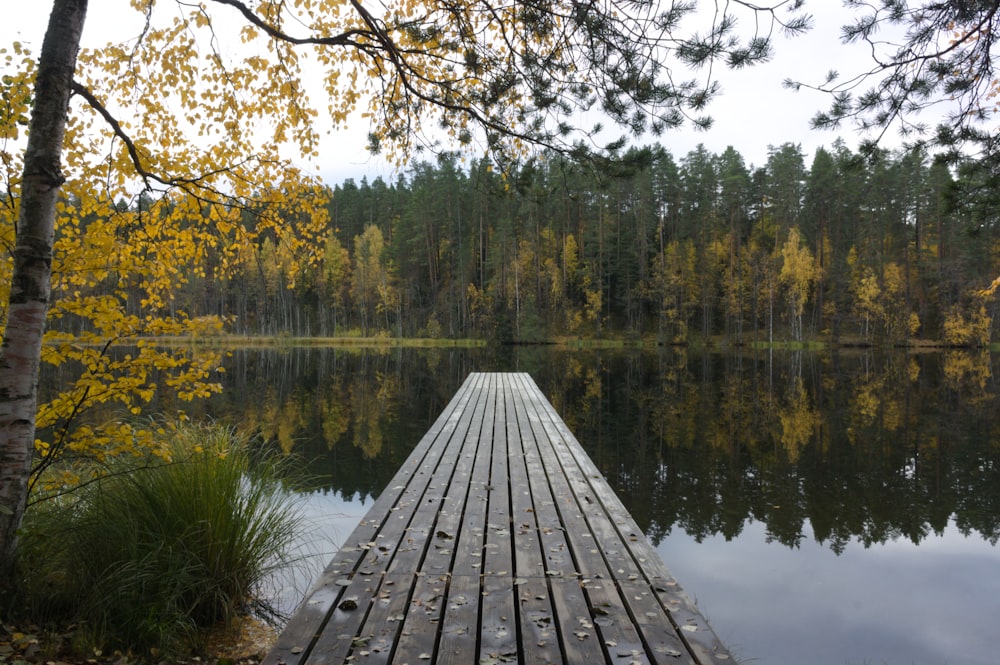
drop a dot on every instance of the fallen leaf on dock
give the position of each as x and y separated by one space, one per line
667 651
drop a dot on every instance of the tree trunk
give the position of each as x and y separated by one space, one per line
31 279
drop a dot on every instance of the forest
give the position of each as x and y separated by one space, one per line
888 248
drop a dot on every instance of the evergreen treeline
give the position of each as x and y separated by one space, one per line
880 249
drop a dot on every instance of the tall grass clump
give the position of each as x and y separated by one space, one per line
157 551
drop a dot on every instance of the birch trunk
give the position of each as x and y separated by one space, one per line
31 279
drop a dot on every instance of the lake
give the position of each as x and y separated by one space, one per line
820 507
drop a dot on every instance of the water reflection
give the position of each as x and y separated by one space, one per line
862 448
893 603
788 491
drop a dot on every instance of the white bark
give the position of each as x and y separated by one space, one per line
31 278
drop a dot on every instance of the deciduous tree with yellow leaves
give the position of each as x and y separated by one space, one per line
182 136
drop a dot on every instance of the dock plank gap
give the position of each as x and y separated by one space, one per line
498 541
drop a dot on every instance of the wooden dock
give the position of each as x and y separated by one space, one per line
498 541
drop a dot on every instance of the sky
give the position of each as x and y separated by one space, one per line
753 113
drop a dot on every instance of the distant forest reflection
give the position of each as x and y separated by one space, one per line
863 447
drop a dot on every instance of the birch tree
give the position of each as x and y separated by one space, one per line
798 275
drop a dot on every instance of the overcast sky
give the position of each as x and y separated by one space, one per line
753 112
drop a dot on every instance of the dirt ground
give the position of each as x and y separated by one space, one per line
247 645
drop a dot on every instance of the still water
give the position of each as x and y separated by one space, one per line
821 508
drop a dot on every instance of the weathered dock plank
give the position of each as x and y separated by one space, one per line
497 541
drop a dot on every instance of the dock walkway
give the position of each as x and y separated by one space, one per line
498 541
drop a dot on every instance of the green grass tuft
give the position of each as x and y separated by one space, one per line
155 553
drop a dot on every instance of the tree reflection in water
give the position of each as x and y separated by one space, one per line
863 447
764 475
